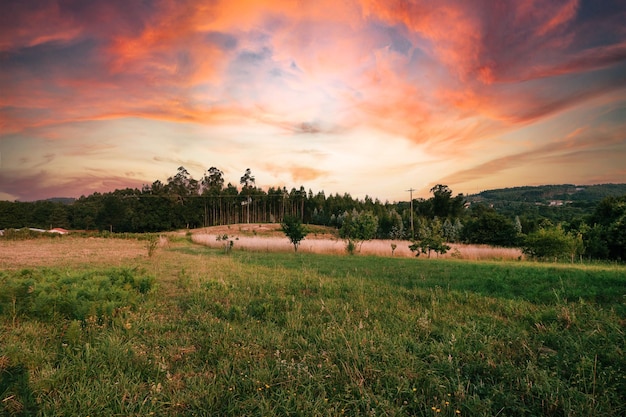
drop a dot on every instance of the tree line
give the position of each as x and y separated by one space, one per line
185 202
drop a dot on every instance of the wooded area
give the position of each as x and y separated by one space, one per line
595 229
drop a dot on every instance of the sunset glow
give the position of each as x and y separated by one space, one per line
368 97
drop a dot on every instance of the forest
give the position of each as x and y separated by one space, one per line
547 222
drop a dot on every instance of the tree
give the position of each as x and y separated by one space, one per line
551 243
247 182
617 238
181 188
294 230
431 238
390 224
182 185
214 181
212 186
358 227
450 233
607 237
518 225
489 227
58 216
441 200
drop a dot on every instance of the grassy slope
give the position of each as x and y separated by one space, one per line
287 334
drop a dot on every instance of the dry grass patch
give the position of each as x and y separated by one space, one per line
269 238
69 251
265 230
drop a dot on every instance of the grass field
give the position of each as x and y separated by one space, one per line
193 331
324 240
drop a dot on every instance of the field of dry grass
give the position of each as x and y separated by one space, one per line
71 251
269 238
68 251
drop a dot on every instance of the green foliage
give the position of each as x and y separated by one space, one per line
443 205
294 230
607 237
350 247
49 295
390 225
552 244
228 243
486 226
358 227
430 237
152 244
17 396
546 193
428 245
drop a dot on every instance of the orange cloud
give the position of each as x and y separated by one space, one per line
298 173
561 14
43 184
581 146
446 79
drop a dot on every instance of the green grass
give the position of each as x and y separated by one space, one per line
535 282
314 335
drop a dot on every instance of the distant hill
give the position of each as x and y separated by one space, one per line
550 194
62 200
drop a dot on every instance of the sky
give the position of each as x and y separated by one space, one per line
366 97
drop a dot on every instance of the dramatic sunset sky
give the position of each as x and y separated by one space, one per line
369 97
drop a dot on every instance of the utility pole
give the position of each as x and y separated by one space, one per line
410 190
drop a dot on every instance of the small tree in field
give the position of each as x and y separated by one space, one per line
551 243
430 239
294 230
428 244
358 227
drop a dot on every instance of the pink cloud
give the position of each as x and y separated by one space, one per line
43 184
447 76
150 70
581 146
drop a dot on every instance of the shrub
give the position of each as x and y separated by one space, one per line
152 244
551 243
49 294
228 243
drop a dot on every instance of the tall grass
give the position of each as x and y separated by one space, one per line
275 333
336 246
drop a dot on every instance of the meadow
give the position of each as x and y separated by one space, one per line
92 326
325 240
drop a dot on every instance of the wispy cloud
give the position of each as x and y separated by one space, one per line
443 81
580 147
44 184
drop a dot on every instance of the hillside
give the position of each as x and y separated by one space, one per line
550 194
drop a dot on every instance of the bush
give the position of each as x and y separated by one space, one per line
227 244
551 244
49 294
